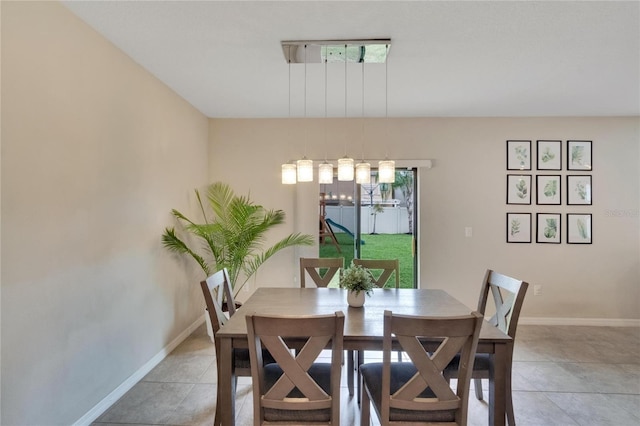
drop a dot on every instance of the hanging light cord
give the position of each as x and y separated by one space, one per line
362 140
305 102
325 104
345 92
289 81
386 100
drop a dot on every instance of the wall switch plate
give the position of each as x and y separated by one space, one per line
468 232
537 290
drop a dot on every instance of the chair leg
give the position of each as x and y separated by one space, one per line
350 371
365 409
511 418
477 385
217 420
360 361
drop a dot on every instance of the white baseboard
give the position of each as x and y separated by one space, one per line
110 399
603 322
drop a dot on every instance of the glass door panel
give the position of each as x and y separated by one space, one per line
372 221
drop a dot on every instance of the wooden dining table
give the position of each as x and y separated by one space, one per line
363 330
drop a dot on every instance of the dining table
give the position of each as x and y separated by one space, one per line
363 330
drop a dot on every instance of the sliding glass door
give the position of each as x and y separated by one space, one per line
372 221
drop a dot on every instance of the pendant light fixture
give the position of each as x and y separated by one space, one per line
363 169
305 166
302 170
305 170
345 164
325 170
289 173
386 167
289 169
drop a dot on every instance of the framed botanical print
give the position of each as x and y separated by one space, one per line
579 228
518 189
549 155
579 189
579 155
518 155
548 228
548 189
518 227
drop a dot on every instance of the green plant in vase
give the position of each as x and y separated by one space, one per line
357 280
231 236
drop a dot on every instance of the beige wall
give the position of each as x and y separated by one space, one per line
95 153
596 283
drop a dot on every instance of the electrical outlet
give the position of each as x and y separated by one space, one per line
468 232
537 290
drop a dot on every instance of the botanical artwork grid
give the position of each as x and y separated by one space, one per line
572 187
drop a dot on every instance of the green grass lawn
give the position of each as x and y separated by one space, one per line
379 246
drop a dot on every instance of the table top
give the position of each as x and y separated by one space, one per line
364 323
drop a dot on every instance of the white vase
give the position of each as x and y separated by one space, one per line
356 298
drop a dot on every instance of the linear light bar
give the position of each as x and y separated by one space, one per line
367 51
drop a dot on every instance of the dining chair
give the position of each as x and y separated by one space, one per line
381 270
416 391
297 388
218 297
508 296
320 270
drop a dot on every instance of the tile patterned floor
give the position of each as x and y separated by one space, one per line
562 375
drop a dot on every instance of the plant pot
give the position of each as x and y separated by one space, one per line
356 298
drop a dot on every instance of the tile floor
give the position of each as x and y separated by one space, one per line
562 375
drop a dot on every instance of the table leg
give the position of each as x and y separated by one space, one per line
498 384
350 371
226 383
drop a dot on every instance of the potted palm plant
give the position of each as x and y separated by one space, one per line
231 235
357 281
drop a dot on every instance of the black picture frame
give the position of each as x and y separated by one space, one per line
519 189
548 189
548 228
579 228
579 190
518 155
519 227
579 155
549 155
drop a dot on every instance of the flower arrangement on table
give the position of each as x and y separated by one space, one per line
358 281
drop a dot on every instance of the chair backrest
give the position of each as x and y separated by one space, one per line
380 270
297 389
508 295
321 270
427 395
217 291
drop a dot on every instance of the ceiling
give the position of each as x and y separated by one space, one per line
447 59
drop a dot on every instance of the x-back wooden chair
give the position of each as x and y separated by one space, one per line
507 294
381 270
297 388
416 391
218 295
320 270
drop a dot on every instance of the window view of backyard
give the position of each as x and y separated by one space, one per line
386 222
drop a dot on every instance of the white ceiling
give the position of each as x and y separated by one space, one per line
452 58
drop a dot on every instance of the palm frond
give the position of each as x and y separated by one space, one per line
235 234
251 265
172 242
